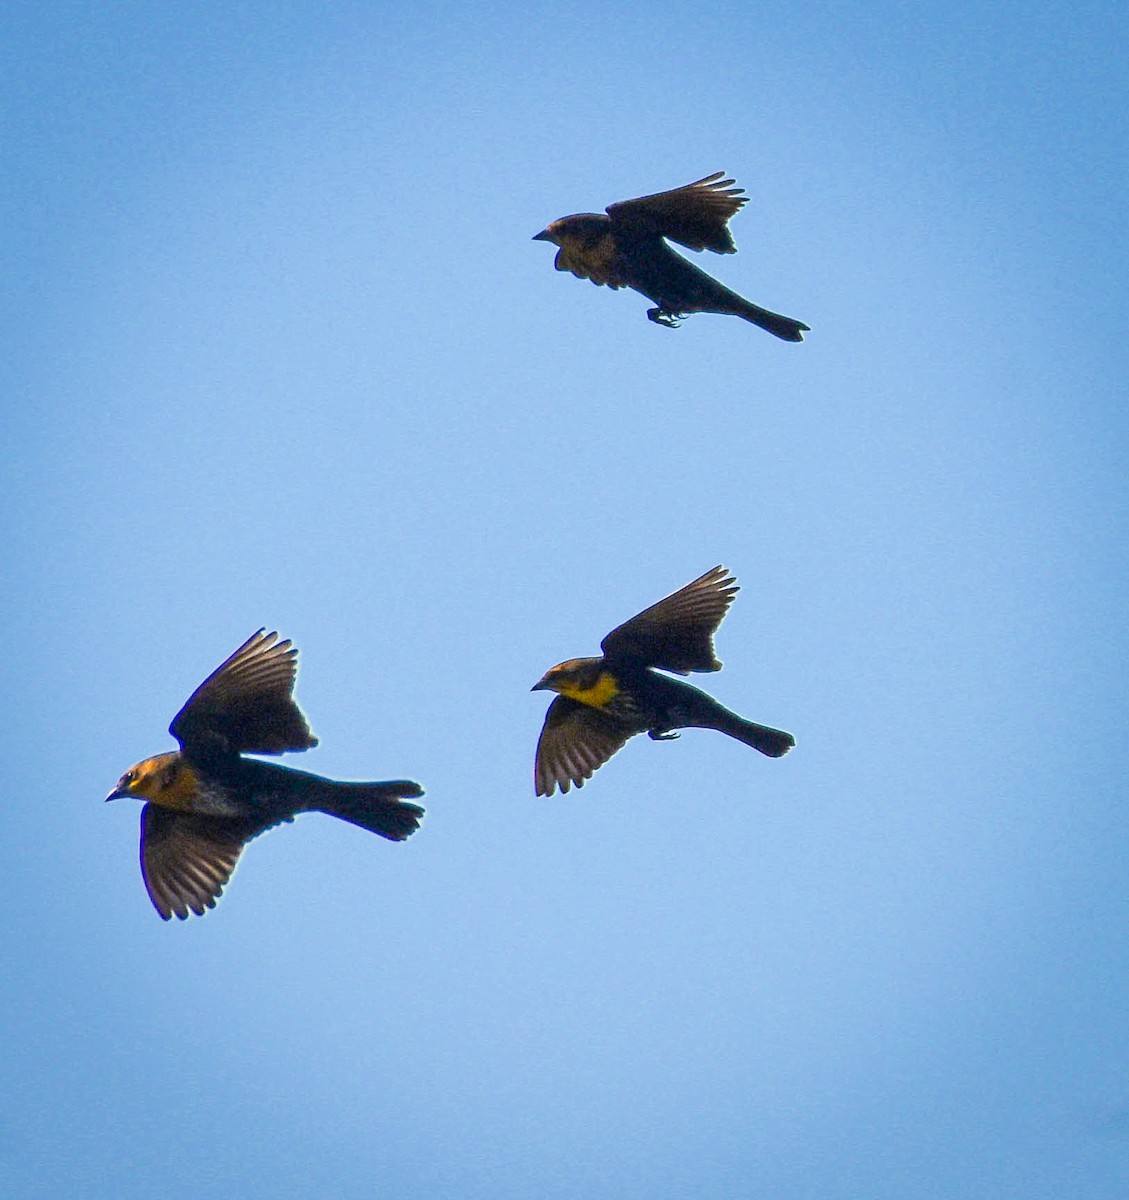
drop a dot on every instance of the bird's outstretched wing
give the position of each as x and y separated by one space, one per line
187 858
575 740
246 704
695 216
676 634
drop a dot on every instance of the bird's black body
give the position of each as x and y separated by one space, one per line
266 793
678 288
657 705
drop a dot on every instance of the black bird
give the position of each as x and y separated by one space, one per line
625 248
601 702
206 801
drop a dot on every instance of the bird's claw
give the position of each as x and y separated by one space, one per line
663 316
658 736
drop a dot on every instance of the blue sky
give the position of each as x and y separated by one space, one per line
280 352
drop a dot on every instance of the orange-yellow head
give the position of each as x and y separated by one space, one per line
166 779
582 231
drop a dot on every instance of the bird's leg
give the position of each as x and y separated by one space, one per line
660 735
663 316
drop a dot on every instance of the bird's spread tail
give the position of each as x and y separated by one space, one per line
773 742
783 327
378 807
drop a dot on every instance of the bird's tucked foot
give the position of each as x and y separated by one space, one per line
664 316
657 735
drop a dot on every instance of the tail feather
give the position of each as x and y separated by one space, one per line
773 742
783 327
377 807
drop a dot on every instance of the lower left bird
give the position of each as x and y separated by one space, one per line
205 802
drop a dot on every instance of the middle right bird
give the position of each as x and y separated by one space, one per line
601 702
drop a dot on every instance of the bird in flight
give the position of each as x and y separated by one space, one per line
627 246
205 801
601 702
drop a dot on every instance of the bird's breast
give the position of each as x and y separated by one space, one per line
590 258
193 791
177 787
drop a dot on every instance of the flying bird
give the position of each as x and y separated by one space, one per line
626 248
206 801
601 702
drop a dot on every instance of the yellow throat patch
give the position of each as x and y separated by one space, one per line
599 695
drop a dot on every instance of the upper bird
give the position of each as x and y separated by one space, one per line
601 702
205 801
625 248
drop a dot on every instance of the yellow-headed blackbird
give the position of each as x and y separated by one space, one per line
625 248
205 801
601 702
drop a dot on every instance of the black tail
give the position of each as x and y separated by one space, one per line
378 807
783 327
773 742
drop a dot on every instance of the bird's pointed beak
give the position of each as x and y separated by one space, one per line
119 793
543 236
540 686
